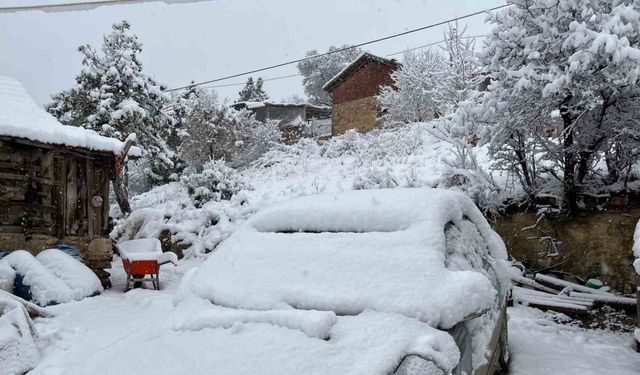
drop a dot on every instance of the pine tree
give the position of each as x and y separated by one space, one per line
253 91
115 98
259 94
247 92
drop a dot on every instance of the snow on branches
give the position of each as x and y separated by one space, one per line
564 93
115 98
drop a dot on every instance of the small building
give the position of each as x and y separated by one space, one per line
54 181
296 120
355 90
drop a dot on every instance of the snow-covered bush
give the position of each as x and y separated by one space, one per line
375 178
216 182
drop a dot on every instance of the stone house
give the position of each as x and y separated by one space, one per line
355 90
54 181
296 120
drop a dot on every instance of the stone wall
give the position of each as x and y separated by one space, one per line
597 244
360 114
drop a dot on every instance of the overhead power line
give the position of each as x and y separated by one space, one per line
433 44
300 75
81 5
342 49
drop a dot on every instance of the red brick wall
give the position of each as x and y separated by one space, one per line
363 83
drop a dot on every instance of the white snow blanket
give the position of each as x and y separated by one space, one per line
7 277
381 250
146 249
636 248
18 347
53 276
21 117
75 275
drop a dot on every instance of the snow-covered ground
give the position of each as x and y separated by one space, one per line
134 333
539 344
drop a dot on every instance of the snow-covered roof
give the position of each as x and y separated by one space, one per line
355 64
21 117
381 250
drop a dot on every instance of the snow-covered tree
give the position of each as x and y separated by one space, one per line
253 91
114 97
581 60
414 97
464 70
218 132
259 94
433 82
317 71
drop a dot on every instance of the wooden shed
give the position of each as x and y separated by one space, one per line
355 90
54 181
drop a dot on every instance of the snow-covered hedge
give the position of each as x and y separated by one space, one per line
208 207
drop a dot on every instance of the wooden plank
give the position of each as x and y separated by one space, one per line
82 197
92 216
59 193
105 171
71 197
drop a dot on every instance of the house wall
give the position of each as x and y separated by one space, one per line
363 83
46 194
360 114
355 104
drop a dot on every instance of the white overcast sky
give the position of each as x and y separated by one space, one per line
210 39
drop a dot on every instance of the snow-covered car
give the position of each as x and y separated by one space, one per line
390 281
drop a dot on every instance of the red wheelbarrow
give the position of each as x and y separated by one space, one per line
142 259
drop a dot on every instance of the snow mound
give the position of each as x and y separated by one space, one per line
381 250
75 275
636 248
45 287
312 323
18 339
7 277
50 278
21 117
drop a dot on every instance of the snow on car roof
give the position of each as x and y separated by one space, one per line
381 250
21 117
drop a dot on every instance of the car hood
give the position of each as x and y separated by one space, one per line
314 342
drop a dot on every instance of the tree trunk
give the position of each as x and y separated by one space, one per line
119 183
570 187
